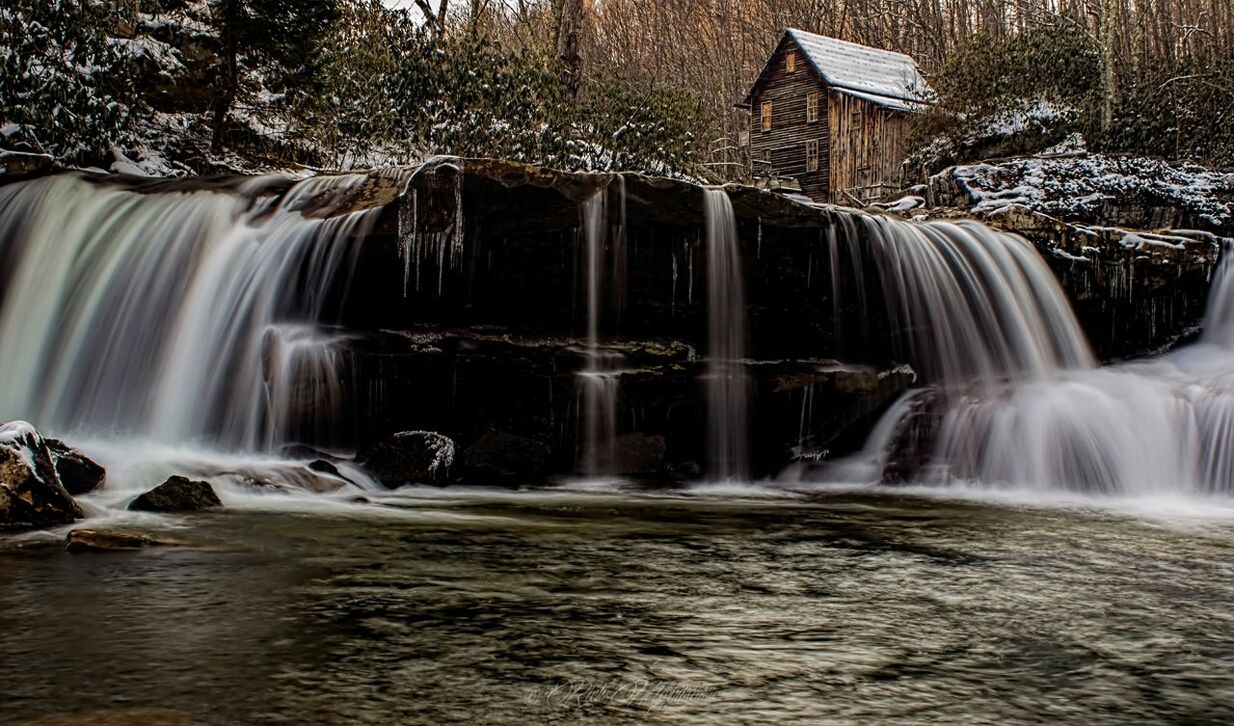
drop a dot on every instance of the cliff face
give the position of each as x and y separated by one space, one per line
469 310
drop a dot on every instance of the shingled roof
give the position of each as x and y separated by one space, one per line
883 77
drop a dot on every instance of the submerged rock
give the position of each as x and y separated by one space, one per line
78 473
177 494
410 457
118 717
505 458
114 540
31 494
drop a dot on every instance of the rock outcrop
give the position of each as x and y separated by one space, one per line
31 494
501 458
410 457
78 473
177 494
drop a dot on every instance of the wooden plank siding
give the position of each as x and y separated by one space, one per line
869 143
786 141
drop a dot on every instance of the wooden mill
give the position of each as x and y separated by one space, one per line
833 116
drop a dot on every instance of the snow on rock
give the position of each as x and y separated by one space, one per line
1133 192
31 494
903 204
410 457
22 163
148 163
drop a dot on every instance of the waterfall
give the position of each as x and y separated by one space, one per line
161 313
600 380
973 304
727 381
1018 400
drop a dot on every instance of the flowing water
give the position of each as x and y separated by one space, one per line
470 607
600 380
727 381
1019 401
149 314
185 332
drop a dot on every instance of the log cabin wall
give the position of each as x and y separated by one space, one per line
785 143
869 143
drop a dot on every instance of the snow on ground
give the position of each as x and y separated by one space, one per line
1080 186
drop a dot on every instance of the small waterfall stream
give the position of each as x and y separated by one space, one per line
600 380
727 382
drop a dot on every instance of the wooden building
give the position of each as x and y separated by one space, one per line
833 116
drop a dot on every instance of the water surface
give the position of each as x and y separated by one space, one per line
481 607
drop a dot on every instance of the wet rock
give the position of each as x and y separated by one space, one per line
177 494
78 473
302 451
325 467
505 458
31 494
17 165
632 454
684 471
115 540
410 457
913 444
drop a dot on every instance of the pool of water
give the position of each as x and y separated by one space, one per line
559 607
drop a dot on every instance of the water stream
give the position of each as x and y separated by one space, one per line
728 385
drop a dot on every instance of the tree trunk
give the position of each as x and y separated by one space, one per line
569 28
226 97
1109 50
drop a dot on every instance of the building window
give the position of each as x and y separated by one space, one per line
812 106
855 120
812 155
790 63
766 115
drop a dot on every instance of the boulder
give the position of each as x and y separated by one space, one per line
505 458
17 165
324 467
912 446
303 451
410 457
177 494
631 454
31 494
115 540
78 473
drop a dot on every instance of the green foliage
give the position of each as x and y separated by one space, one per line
68 84
1185 114
650 132
336 83
1056 64
1182 112
467 95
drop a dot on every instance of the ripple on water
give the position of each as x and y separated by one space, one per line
560 606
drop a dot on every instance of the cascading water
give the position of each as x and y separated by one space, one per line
727 382
600 380
974 304
1018 400
163 314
